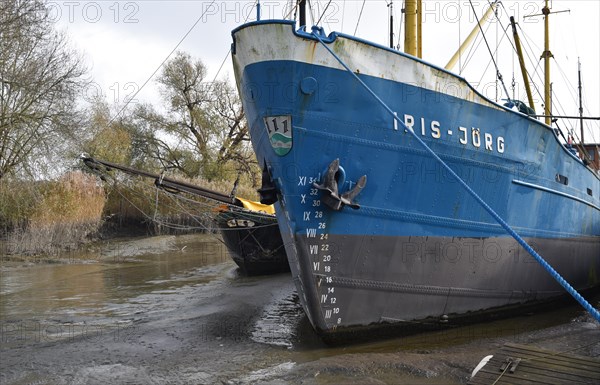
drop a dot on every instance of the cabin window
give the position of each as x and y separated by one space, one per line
589 191
562 179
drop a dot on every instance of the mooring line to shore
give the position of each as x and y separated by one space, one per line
574 293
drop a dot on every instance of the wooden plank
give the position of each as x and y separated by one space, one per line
567 358
516 379
539 366
541 376
538 375
556 361
537 352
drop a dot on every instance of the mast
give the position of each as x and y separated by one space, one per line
546 56
391 24
580 102
410 33
522 63
419 29
302 5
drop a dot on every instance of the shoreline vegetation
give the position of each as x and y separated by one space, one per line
46 217
42 220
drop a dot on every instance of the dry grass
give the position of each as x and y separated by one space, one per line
48 217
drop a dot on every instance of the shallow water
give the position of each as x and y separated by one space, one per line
174 309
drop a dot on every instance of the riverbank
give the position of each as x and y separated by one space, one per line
174 310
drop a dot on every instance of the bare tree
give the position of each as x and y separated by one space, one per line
232 129
205 128
40 80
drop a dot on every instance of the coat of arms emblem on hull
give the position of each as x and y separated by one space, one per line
280 133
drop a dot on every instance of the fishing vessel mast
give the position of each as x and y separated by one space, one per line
580 102
391 7
412 33
302 6
546 55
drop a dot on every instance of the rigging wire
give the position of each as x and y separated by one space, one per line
571 88
498 74
497 45
293 10
538 77
324 11
162 63
474 47
311 11
514 83
359 16
488 66
398 46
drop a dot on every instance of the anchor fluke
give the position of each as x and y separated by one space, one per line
348 196
330 189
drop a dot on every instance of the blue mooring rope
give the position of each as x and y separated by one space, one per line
586 305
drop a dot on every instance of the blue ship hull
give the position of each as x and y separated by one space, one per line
419 247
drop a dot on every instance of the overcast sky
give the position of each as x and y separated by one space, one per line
124 42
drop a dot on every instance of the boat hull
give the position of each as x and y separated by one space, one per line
419 247
254 241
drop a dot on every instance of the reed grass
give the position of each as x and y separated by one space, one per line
50 216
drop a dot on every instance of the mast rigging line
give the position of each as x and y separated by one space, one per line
489 62
474 47
359 16
582 301
498 74
324 10
163 62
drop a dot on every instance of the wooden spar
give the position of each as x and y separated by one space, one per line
522 63
470 38
161 181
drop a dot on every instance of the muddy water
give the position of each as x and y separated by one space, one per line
175 310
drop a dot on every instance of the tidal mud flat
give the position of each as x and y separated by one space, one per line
175 310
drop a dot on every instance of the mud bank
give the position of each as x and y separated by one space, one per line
175 310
